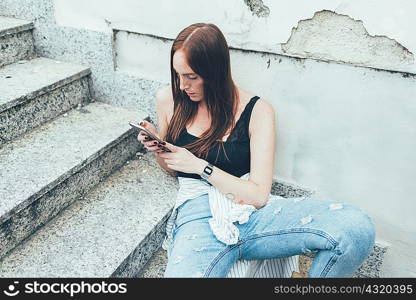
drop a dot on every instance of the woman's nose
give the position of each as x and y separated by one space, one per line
183 84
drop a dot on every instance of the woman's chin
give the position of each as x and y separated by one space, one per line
195 99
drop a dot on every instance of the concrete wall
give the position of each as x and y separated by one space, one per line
242 25
286 27
343 89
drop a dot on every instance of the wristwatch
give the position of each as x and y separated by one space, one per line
207 171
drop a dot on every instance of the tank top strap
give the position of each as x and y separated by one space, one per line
241 131
249 108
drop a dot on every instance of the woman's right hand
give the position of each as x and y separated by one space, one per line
151 145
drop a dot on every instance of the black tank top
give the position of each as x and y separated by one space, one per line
237 146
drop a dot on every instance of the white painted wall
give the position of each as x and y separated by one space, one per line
166 18
346 131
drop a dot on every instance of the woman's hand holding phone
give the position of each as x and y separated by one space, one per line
149 143
175 158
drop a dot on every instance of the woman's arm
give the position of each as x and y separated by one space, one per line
256 190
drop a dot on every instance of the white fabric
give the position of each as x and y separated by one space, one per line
267 268
224 214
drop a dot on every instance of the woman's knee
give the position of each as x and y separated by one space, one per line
358 238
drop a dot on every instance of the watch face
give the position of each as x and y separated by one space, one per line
208 170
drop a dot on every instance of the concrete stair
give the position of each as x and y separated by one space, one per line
34 89
47 169
16 40
110 232
60 212
38 90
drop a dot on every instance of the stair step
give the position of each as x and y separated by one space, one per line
155 267
45 170
111 232
38 90
16 40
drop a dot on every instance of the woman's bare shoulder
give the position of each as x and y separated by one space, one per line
164 95
246 96
262 104
263 111
164 100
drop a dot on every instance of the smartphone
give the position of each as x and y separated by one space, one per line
149 134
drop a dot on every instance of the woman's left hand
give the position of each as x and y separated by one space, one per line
182 160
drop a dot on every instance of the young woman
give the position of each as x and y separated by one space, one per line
222 143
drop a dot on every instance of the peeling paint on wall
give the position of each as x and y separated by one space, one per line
258 8
331 36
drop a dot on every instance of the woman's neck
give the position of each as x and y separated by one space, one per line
203 109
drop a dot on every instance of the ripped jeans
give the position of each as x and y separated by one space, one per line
341 235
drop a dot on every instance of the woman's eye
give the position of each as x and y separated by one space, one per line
192 78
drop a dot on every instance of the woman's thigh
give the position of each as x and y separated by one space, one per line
286 227
196 251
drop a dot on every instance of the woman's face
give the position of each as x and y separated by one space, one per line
190 82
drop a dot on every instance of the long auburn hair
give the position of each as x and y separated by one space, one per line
208 55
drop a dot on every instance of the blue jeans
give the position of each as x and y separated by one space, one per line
341 235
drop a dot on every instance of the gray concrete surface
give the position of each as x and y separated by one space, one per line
13 25
40 75
50 88
112 231
46 169
16 40
331 36
156 265
86 47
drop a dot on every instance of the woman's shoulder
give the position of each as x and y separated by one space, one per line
261 103
164 100
164 95
261 111
262 108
